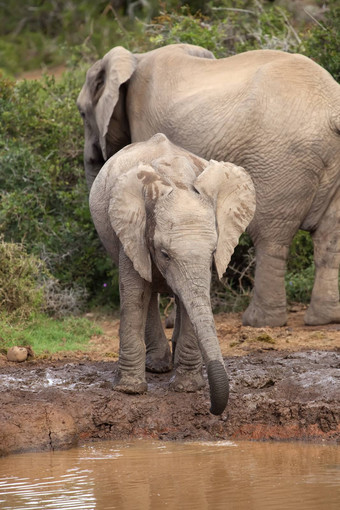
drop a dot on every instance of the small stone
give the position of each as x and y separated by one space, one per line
17 354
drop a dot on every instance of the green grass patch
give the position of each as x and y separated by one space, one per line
46 335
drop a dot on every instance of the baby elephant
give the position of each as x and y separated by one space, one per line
164 214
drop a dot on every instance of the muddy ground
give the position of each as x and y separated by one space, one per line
284 382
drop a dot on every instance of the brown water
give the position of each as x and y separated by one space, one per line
144 475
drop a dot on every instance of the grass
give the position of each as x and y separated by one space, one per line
46 335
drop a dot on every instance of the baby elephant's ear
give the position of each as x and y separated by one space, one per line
233 194
127 213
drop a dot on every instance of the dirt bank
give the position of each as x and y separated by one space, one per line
285 384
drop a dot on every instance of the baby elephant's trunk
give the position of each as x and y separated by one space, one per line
200 314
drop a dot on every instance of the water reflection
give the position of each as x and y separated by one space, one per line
152 475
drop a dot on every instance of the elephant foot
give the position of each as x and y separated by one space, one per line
159 364
322 313
257 317
187 381
131 385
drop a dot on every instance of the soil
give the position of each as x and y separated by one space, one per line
284 385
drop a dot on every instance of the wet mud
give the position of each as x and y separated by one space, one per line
48 405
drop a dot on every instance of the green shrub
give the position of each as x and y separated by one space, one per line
34 34
230 28
28 288
299 278
301 252
20 275
43 194
299 284
183 27
322 41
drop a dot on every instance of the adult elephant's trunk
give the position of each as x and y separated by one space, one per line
93 158
199 311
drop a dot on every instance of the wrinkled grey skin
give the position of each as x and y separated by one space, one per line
164 214
275 114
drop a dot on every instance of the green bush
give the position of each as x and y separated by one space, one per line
322 41
21 295
299 284
35 34
42 186
230 28
301 252
299 278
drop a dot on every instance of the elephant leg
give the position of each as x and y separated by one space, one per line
324 306
135 294
187 357
158 353
268 304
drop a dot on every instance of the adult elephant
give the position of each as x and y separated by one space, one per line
273 113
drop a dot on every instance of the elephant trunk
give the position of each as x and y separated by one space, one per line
219 386
93 161
201 317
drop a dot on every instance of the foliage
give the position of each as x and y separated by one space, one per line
35 32
62 301
322 42
42 187
299 284
299 278
20 273
232 27
183 27
46 335
300 253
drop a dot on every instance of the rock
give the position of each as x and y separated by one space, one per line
17 354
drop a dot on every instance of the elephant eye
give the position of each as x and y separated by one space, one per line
165 255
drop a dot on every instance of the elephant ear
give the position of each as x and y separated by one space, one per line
233 194
116 68
133 192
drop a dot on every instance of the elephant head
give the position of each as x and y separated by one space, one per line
180 225
102 103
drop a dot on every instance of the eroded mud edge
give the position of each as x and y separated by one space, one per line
274 396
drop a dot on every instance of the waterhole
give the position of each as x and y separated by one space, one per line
146 475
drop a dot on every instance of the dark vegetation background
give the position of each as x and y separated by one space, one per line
50 257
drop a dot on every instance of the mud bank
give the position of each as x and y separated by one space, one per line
274 395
